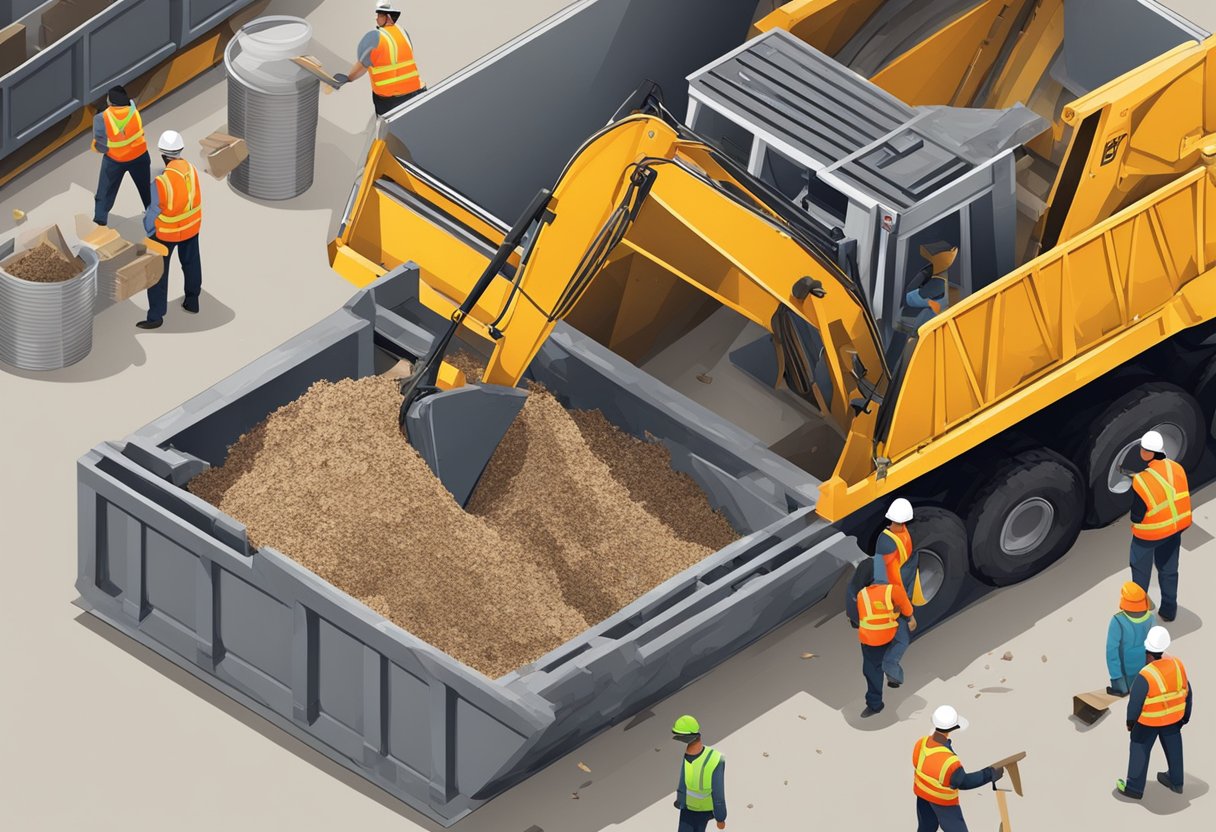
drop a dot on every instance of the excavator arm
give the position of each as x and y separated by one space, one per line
643 188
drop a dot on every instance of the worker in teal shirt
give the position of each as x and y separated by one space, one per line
701 793
1125 638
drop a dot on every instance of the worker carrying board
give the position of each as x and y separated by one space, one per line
386 54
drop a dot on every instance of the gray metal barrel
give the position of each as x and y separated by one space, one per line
272 105
46 326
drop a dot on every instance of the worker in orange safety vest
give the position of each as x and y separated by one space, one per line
174 219
387 54
1157 708
883 610
1161 511
118 134
938 775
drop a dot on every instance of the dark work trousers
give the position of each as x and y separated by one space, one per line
930 817
384 103
691 821
192 269
108 182
895 652
1164 553
872 659
1143 739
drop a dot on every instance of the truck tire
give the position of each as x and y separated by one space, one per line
1026 517
940 539
1117 430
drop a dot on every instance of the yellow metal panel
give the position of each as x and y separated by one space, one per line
1033 54
826 25
450 377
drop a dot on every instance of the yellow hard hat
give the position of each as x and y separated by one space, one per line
686 726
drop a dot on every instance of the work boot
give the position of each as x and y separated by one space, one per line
190 305
1113 692
1164 779
1165 617
869 712
149 324
891 683
1121 786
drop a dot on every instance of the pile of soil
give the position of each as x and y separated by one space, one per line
556 538
43 264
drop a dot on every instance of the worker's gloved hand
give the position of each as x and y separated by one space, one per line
1129 726
855 625
341 79
721 824
997 773
912 624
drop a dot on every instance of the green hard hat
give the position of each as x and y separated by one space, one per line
686 725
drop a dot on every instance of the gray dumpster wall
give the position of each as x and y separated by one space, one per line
523 111
116 46
179 576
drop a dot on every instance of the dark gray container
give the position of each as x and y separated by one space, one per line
179 576
47 326
272 105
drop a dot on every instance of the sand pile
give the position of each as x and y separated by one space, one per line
42 264
552 543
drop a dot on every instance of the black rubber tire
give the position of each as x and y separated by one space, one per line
1124 422
1038 473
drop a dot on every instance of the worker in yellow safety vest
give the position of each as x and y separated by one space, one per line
174 219
118 134
1161 511
701 793
1157 708
938 775
387 54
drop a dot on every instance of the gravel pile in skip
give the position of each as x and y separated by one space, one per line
554 540
43 264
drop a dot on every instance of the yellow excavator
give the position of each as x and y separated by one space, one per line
821 164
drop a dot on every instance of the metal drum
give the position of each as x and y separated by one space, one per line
46 326
272 105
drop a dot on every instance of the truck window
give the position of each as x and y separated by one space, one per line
718 130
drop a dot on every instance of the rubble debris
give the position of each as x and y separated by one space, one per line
705 378
1008 657
42 264
808 655
765 753
800 716
1044 659
583 767
574 795
18 215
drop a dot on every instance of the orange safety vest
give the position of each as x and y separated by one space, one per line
124 133
934 764
1163 488
393 70
181 203
876 614
1167 690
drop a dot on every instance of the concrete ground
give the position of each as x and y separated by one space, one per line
99 732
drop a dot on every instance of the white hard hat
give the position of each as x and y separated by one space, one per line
171 143
387 8
946 718
1158 640
900 511
1153 442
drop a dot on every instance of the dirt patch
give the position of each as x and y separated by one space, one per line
42 264
552 543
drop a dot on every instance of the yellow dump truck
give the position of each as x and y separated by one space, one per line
952 250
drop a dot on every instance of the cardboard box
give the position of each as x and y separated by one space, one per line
223 154
138 275
12 48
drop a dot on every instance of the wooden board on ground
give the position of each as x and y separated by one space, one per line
313 66
1092 706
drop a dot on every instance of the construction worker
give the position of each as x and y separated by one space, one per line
174 219
118 134
1161 511
939 776
879 609
1125 638
388 55
701 794
894 563
1157 708
931 290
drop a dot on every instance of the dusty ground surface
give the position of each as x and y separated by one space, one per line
43 265
551 543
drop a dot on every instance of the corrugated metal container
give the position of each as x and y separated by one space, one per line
273 106
46 326
180 576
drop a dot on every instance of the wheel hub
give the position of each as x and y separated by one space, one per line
1119 481
932 572
1027 526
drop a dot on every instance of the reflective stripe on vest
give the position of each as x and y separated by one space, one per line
901 547
123 146
394 71
878 618
181 209
699 779
1168 512
934 765
1165 704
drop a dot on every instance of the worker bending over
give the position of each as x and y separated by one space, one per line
701 793
174 219
118 134
387 54
1125 638
939 776
1161 511
1158 707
